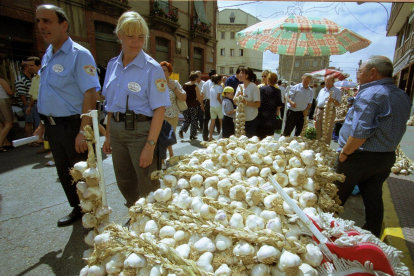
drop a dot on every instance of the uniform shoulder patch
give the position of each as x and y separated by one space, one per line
161 84
90 70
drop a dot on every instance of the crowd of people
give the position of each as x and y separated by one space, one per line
57 90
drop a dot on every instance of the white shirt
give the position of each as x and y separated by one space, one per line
216 89
206 89
251 94
283 92
200 85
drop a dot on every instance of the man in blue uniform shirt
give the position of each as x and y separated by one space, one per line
67 89
373 128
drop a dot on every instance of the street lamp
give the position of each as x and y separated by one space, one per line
386 28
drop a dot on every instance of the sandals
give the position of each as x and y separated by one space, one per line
50 163
34 144
2 149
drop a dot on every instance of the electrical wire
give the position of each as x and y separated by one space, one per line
361 22
238 5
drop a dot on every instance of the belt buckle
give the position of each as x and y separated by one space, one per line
51 120
116 116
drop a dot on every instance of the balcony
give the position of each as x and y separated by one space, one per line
110 7
407 45
164 16
399 13
200 30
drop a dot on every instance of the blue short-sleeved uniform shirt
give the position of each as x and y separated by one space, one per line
143 80
65 77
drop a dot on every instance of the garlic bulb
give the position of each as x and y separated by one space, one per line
307 270
254 196
96 271
211 182
183 184
167 232
313 255
81 186
183 250
275 225
223 270
151 227
243 156
223 242
207 212
197 191
307 157
89 239
207 164
238 192
225 160
267 215
88 220
295 162
170 181
135 261
163 195
211 192
268 254
204 262
260 270
279 164
224 187
243 248
236 221
221 217
252 171
196 204
297 176
308 199
196 180
288 261
254 223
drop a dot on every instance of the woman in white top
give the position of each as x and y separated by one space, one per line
176 93
215 103
251 100
6 112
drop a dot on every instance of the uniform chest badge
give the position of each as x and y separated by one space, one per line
161 84
57 68
134 87
90 70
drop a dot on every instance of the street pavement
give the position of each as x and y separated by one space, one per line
32 200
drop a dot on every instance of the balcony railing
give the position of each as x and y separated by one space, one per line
197 25
408 44
395 10
164 10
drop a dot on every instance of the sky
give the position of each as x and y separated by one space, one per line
368 20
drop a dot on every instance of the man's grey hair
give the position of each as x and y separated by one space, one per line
307 75
383 65
198 73
60 13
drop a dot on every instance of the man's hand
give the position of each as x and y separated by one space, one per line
40 131
202 107
28 109
305 113
292 104
107 145
80 143
147 156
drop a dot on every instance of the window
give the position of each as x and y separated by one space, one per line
223 52
296 75
223 35
231 70
232 52
288 64
221 70
322 63
232 35
296 63
315 63
306 63
198 63
161 49
232 17
241 52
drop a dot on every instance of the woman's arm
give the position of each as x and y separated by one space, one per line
199 98
6 87
147 153
178 91
219 97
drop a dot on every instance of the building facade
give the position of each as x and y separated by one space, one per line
303 64
229 54
181 32
401 24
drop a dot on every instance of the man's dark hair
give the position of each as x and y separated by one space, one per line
36 60
279 82
323 83
60 13
211 73
24 65
248 71
239 69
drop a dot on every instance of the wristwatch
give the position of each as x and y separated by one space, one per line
342 151
82 132
151 142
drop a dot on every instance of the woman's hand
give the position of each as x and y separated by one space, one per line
147 155
107 145
171 84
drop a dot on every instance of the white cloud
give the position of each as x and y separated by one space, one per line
372 19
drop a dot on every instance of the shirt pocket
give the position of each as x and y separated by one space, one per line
59 79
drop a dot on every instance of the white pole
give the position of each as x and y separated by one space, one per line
94 115
290 79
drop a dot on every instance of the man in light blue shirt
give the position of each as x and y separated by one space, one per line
373 128
324 96
299 101
67 89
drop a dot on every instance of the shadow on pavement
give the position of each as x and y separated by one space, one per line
70 261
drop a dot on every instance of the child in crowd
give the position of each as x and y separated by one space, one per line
215 102
229 112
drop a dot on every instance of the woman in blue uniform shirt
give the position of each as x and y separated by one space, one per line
136 95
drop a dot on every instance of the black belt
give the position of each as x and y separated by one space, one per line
321 107
120 117
35 102
58 120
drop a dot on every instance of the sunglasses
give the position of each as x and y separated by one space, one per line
264 76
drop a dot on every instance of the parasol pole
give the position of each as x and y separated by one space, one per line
290 80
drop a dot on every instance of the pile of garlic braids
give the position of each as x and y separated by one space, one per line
240 119
326 122
410 121
342 110
403 164
206 204
305 126
86 175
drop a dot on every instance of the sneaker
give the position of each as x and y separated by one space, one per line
180 133
164 167
50 163
49 155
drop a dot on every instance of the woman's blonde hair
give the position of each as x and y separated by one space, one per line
131 23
